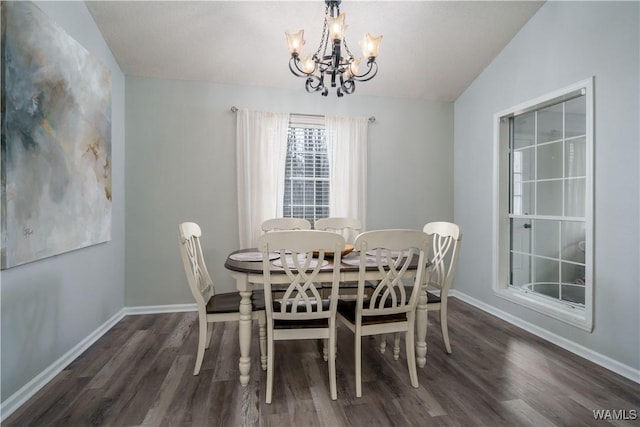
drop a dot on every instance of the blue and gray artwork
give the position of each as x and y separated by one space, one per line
56 140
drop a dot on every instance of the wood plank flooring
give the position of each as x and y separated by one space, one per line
140 373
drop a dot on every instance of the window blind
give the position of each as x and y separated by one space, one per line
306 191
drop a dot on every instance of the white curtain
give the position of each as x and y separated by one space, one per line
347 150
261 139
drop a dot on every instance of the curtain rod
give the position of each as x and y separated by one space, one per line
371 119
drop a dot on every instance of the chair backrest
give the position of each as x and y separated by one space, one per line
398 278
276 224
194 266
343 225
302 255
446 238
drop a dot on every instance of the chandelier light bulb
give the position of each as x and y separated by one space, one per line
370 45
296 41
352 70
308 65
337 27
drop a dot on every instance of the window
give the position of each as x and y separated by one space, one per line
544 204
307 181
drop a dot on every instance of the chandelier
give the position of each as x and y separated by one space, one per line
341 67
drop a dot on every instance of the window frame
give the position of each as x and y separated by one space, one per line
568 313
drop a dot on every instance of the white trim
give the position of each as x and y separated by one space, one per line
17 399
559 310
157 309
13 402
582 319
626 371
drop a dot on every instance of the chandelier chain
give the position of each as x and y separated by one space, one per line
323 41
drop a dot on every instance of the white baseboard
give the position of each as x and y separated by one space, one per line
13 402
595 357
155 309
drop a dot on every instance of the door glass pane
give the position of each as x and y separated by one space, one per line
550 124
550 161
520 269
573 293
546 271
573 245
524 163
575 117
524 127
548 289
524 200
546 237
575 157
549 198
574 197
572 273
520 235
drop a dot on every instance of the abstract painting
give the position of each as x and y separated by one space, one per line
55 163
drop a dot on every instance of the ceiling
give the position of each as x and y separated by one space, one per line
431 50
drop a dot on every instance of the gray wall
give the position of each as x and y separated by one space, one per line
565 42
50 306
181 166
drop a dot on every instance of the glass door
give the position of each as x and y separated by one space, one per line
548 201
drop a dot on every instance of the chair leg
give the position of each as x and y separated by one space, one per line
396 346
325 349
203 333
262 322
269 391
444 326
421 329
209 334
411 358
383 343
332 366
358 357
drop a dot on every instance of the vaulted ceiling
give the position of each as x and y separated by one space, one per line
431 50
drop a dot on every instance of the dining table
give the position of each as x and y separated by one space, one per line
246 267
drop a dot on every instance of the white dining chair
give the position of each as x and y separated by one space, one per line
345 226
213 307
278 224
442 261
391 306
446 239
348 228
298 311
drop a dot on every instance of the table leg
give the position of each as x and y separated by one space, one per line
244 328
421 328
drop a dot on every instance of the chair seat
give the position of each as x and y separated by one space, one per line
300 323
354 285
229 302
347 308
431 297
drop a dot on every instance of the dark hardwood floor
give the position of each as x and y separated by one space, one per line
140 373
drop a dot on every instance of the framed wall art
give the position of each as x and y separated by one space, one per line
56 140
